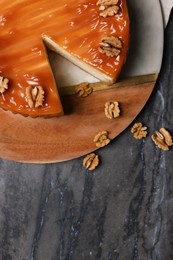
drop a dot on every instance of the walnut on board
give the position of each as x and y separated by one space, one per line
101 139
84 89
112 109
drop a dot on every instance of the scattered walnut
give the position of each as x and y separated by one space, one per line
3 84
84 90
109 7
35 96
167 136
162 139
112 110
139 131
91 161
101 139
111 46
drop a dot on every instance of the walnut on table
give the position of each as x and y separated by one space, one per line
111 46
139 131
35 96
162 139
112 109
101 139
3 84
91 161
84 89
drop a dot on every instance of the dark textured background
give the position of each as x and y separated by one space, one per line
121 211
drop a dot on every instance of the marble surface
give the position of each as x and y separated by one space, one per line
121 211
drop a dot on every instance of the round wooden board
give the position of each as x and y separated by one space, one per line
58 139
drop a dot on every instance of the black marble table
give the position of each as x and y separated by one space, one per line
121 211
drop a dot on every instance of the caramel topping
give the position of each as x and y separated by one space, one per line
76 26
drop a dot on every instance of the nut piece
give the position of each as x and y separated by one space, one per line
112 110
91 161
111 46
139 131
162 139
35 96
107 2
167 136
84 90
3 84
110 11
109 7
101 139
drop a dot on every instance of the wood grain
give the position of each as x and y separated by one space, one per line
41 140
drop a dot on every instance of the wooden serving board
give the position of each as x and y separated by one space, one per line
58 139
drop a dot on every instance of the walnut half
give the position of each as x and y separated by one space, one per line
3 84
162 139
107 2
35 96
101 139
139 131
108 7
84 89
112 110
111 46
110 11
91 161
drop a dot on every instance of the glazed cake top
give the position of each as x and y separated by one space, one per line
76 26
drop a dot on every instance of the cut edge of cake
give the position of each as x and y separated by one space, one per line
84 66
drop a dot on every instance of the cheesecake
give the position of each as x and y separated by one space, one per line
92 34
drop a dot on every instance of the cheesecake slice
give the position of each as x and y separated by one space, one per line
92 34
